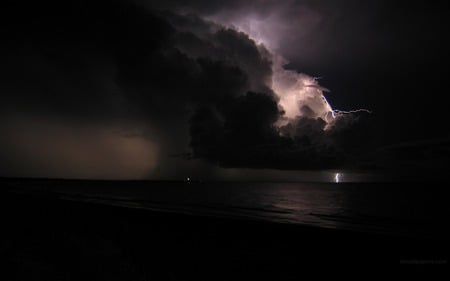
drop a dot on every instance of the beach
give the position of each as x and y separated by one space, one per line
49 238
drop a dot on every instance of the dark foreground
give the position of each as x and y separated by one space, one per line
45 238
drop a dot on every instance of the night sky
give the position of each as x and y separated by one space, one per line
170 89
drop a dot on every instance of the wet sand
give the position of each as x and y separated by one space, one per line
46 238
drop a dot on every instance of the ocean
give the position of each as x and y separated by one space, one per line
413 209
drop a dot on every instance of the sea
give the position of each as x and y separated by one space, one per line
406 209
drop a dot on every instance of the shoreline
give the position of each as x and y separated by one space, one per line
48 238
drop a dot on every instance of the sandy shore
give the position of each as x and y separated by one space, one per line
46 238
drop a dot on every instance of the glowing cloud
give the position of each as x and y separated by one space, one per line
300 95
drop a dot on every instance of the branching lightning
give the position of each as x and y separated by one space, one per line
330 113
336 112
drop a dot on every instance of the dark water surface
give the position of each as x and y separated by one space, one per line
418 210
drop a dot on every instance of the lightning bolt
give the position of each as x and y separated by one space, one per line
335 112
337 177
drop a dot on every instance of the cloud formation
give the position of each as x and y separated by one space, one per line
183 83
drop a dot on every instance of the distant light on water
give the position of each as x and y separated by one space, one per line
337 177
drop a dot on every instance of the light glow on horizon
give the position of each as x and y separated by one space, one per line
337 177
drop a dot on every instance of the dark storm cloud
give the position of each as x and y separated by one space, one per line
241 133
190 80
63 58
321 33
311 33
382 55
224 78
190 85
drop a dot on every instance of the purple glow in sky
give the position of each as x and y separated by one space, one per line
300 95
